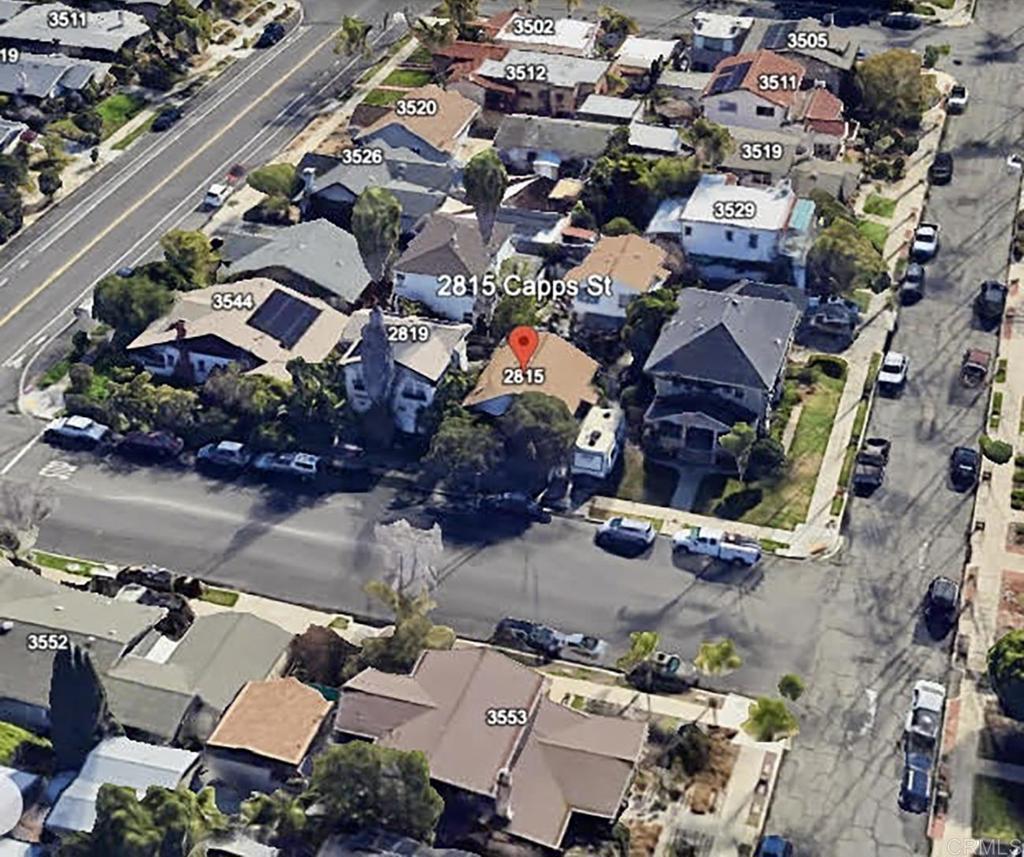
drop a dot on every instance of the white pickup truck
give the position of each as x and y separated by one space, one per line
718 544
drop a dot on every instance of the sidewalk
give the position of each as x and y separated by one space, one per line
960 15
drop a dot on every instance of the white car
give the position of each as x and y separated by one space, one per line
80 431
584 646
926 242
893 373
229 454
299 464
956 102
925 716
216 195
626 532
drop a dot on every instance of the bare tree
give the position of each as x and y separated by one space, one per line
23 507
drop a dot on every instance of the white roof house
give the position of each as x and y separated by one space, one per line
770 209
712 25
563 70
570 36
120 762
606 107
639 53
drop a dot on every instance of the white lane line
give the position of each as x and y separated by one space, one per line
7 468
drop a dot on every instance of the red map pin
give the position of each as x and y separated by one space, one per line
523 341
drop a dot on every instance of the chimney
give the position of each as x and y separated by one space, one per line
503 795
308 179
179 329
120 17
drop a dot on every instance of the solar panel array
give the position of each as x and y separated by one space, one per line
284 317
730 79
776 37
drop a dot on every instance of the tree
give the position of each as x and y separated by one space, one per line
367 786
79 717
673 177
319 655
538 431
276 180
13 171
191 255
716 657
485 181
1006 671
642 644
130 304
10 213
462 13
692 747
451 392
842 259
769 719
50 182
618 187
791 686
738 443
619 226
89 121
352 37
893 90
187 27
711 142
512 311
615 22
463 449
280 818
767 459
828 208
377 226
645 316
81 376
433 35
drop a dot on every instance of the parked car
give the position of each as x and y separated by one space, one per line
774 846
974 366
926 242
584 646
225 455
151 445
530 635
515 504
216 196
892 375
271 35
964 466
301 465
912 287
941 606
956 101
76 431
166 118
870 464
941 169
625 534
925 716
916 785
718 544
902 21
991 301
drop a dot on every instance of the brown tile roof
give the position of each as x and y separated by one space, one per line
628 259
460 50
277 718
821 111
560 762
759 62
454 113
192 318
567 374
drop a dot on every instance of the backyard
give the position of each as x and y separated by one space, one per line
783 501
998 809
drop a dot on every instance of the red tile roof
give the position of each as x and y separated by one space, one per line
760 62
821 111
460 50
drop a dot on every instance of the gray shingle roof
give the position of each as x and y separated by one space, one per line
725 339
451 245
562 70
107 31
573 137
430 359
37 76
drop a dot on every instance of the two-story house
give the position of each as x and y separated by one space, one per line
536 82
574 37
731 231
631 266
419 354
716 37
719 361
827 53
544 145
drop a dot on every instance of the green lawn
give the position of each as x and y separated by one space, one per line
998 809
134 134
408 77
52 375
11 737
861 297
880 206
69 564
421 56
876 233
66 129
117 109
383 97
223 597
645 481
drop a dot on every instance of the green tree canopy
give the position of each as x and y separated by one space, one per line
451 392
352 37
512 311
13 171
366 786
791 686
712 143
191 256
11 214
828 208
377 226
130 304
674 176
893 90
463 449
619 226
538 431
485 181
645 316
1006 670
738 442
276 180
716 657
842 259
462 14
50 181
615 22
642 644
769 719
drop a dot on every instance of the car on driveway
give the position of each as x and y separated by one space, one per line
627 534
925 716
956 101
991 301
76 431
916 785
941 606
301 465
926 242
964 466
151 445
892 375
225 455
774 846
912 287
166 118
941 169
524 634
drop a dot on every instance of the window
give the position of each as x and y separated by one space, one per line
727 107
624 301
587 298
729 235
765 111
357 383
414 393
752 242
200 365
687 230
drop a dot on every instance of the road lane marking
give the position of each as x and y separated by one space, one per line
20 455
58 469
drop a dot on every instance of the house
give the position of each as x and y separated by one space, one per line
418 358
371 843
460 57
91 34
420 185
37 77
266 735
753 90
637 55
654 140
631 264
530 779
315 257
567 376
720 360
730 231
559 91
34 605
436 267
821 115
11 135
432 132
687 86
839 178
763 158
261 326
716 37
543 145
572 37
118 761
605 108
827 53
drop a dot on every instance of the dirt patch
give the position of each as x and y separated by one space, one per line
1015 537
1011 602
1001 738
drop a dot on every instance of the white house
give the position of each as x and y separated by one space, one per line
419 354
715 37
568 36
636 55
631 266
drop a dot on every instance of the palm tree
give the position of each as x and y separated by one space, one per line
615 22
461 13
642 645
352 37
571 6
791 686
768 719
485 181
434 34
280 817
711 142
738 443
377 226
716 657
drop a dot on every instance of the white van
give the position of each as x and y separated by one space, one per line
599 443
216 195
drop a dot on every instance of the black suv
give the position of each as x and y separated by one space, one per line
271 35
151 445
940 606
166 118
991 301
912 287
529 635
941 170
964 465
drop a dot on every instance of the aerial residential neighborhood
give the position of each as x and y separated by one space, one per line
511 428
